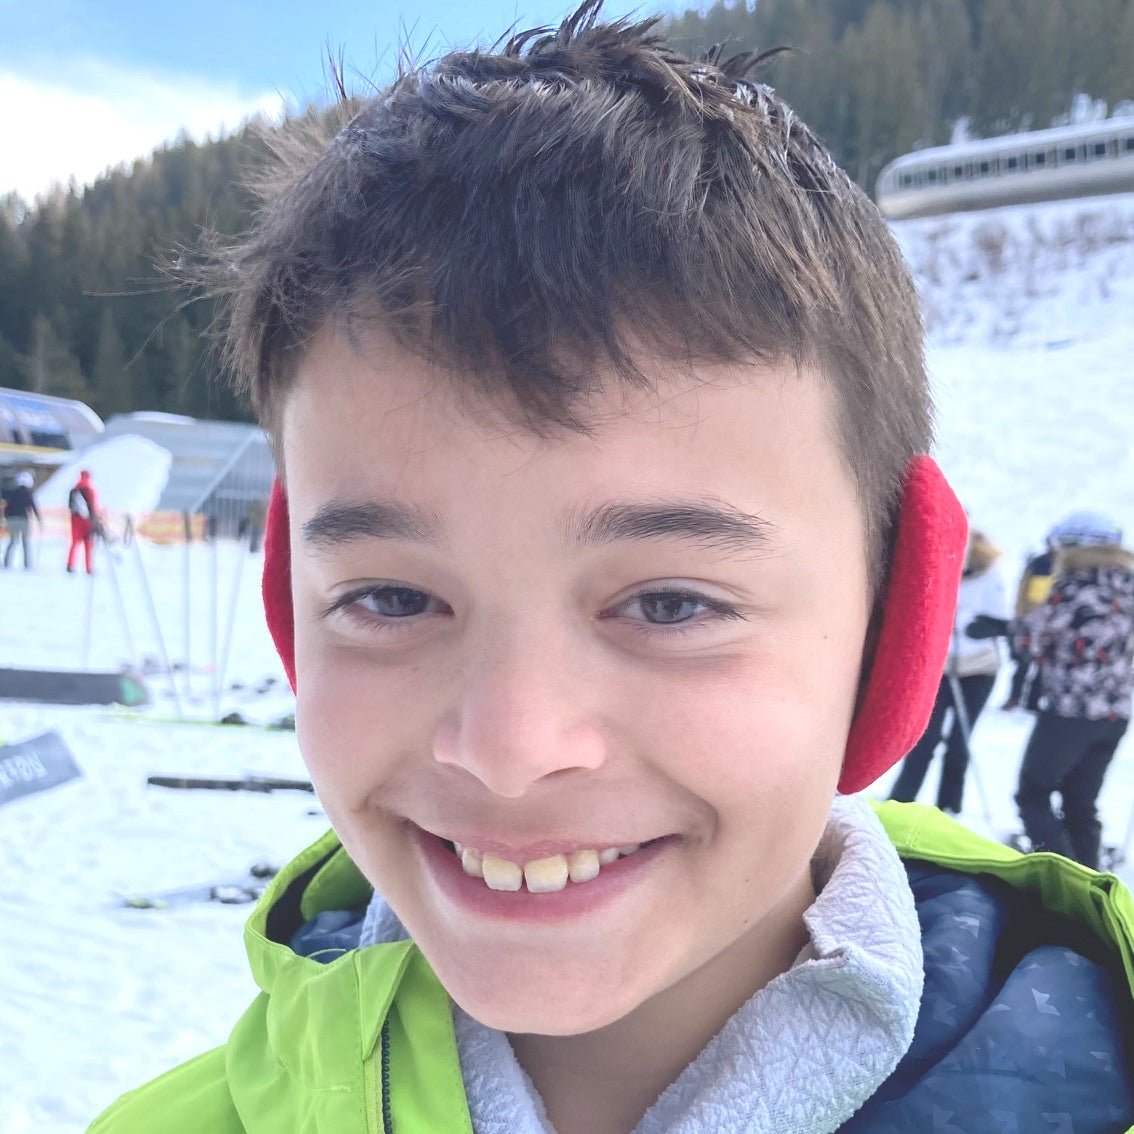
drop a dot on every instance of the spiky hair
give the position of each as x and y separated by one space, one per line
579 195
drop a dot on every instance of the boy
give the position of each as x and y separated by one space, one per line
604 553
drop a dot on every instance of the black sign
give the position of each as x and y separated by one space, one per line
35 765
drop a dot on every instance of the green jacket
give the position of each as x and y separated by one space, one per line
365 1043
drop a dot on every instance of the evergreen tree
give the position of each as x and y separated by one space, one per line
170 360
50 367
11 366
887 100
944 36
1048 32
112 388
1117 80
999 62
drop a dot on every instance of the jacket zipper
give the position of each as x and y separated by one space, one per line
387 1120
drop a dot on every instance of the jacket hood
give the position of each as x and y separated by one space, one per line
306 1052
1104 556
306 1001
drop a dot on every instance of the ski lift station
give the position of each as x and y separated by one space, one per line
37 430
220 472
174 477
1080 160
167 479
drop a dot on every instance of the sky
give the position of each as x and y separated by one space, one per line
87 84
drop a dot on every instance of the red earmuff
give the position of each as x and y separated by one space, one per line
913 641
276 583
917 615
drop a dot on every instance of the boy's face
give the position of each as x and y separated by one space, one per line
651 635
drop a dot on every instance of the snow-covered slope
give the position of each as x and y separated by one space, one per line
1030 314
1032 350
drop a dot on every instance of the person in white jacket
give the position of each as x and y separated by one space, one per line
970 671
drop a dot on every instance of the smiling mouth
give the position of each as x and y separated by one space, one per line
540 875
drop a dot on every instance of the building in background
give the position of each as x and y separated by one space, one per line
219 478
38 431
1080 160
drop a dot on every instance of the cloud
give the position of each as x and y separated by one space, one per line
79 117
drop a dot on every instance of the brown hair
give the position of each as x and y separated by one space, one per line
982 554
575 196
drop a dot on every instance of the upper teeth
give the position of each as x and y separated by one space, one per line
542 875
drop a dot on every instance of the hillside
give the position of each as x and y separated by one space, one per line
1030 349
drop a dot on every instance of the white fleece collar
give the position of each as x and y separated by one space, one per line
799 1057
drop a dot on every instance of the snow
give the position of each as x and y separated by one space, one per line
1030 354
97 997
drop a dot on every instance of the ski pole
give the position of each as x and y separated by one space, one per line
110 559
88 630
214 616
157 627
962 722
186 599
234 599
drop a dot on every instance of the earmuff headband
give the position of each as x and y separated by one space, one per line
913 638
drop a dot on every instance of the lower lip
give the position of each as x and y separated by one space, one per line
574 900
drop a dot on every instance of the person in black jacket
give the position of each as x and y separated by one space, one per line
19 507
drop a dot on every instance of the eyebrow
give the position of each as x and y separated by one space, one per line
336 524
706 522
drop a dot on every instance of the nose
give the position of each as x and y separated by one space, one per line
520 718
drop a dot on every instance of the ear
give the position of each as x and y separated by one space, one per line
277 579
916 627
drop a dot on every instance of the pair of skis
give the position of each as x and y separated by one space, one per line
230 783
239 891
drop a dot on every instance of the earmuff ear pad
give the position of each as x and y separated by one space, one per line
276 583
916 623
917 615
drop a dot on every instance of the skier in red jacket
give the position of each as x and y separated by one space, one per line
85 524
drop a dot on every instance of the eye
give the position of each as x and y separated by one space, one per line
386 606
669 607
394 602
672 610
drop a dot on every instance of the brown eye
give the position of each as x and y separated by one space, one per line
394 602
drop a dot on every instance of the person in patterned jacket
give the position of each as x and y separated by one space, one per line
1083 638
